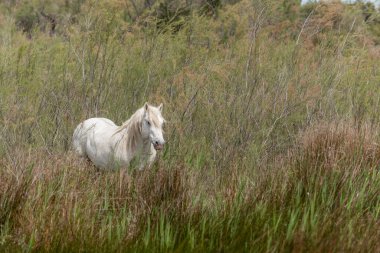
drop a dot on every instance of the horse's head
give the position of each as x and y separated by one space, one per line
152 124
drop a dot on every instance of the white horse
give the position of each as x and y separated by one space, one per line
110 146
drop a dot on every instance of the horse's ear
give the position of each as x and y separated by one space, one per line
146 106
160 107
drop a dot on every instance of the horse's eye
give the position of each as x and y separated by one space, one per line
148 123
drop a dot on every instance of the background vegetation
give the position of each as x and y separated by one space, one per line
273 125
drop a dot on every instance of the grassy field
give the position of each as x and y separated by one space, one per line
273 126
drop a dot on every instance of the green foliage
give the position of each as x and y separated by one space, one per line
372 17
27 17
171 15
290 9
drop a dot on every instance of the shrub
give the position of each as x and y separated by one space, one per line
27 18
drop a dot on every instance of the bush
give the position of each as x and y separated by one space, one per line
27 18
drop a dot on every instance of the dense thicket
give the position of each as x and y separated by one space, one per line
272 125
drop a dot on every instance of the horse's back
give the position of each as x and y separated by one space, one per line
84 129
98 121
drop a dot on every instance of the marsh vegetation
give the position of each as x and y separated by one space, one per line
272 130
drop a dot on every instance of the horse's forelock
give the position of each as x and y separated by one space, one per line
155 117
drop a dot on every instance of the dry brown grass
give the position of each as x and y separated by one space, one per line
331 144
63 196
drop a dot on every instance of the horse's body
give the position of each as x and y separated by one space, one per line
110 146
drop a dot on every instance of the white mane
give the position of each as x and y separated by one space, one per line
132 129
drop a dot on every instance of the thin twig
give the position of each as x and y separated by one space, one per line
255 28
303 25
345 39
189 103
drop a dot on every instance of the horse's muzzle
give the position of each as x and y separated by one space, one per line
158 146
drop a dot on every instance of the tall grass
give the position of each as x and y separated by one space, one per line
272 133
